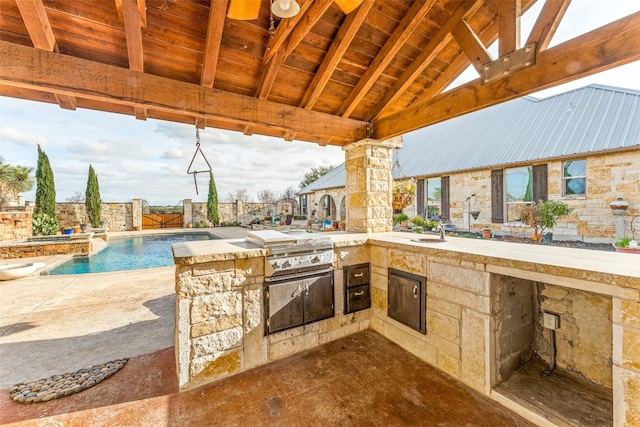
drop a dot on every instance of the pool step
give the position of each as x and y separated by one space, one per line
97 245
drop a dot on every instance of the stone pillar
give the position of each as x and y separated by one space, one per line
368 165
136 214
187 212
626 362
240 211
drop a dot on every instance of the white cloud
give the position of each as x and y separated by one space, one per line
12 135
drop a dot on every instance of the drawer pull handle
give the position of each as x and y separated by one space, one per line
358 275
359 293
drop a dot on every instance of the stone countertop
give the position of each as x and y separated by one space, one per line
198 252
611 267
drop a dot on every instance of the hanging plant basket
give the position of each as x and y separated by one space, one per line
475 214
402 200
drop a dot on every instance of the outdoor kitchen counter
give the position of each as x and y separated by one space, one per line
607 268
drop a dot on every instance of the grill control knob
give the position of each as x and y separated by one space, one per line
315 259
286 264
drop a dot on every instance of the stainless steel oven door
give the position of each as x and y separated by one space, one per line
294 302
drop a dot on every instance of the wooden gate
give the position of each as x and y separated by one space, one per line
154 221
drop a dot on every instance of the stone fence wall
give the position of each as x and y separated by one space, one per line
15 224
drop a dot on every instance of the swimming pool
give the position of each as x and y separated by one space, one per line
130 253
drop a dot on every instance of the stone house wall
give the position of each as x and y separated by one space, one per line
609 176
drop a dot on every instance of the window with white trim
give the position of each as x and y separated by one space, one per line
518 190
574 178
434 196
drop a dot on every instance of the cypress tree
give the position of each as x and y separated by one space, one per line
212 201
46 189
92 198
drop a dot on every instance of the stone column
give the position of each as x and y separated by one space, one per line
368 165
626 362
187 211
136 214
240 210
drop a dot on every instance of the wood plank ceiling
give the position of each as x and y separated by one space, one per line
321 76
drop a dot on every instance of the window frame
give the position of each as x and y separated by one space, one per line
437 204
565 179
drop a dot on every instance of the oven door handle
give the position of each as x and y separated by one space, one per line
296 292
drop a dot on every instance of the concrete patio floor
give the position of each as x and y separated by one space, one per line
56 324
362 379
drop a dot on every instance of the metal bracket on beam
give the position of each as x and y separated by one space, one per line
369 130
509 64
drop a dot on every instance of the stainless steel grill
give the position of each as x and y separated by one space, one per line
299 288
294 254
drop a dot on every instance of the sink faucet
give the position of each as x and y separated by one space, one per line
440 228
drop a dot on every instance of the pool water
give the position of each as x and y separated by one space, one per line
130 253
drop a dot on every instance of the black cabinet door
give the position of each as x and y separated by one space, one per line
357 275
407 300
318 297
284 305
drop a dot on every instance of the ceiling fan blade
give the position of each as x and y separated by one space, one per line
244 10
348 6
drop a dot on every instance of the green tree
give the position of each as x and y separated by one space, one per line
46 189
314 174
13 180
212 201
92 198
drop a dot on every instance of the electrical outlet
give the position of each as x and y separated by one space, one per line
550 321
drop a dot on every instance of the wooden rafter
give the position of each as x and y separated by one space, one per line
339 46
610 46
422 61
509 12
142 10
212 45
312 14
25 67
37 23
411 20
133 33
285 28
471 45
547 23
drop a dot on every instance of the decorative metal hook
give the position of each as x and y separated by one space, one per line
196 172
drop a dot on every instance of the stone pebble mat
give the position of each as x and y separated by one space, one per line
58 386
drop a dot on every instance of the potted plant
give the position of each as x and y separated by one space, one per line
486 232
401 219
542 216
625 244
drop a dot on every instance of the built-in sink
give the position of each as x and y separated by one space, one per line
428 240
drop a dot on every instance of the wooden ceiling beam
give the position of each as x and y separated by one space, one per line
339 46
37 22
471 45
215 26
509 12
609 46
25 67
547 23
409 23
422 61
142 9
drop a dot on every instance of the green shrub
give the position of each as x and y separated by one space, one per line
44 224
623 242
418 229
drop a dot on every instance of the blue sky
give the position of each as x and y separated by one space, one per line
149 159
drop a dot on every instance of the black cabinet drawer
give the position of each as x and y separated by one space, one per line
357 298
356 275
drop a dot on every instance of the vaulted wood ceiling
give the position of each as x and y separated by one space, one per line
322 76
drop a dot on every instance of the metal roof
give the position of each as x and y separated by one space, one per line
587 120
332 179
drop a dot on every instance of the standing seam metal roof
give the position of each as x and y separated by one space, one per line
591 119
